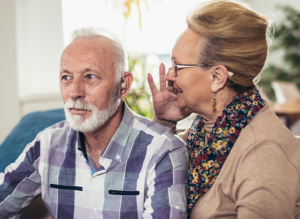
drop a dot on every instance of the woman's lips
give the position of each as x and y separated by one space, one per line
177 91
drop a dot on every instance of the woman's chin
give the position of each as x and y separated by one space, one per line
181 105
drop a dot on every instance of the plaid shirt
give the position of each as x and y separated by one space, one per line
142 174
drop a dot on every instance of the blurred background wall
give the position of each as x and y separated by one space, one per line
31 43
35 32
9 99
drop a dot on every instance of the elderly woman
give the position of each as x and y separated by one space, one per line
244 163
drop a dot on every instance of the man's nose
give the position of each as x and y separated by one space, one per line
77 90
170 75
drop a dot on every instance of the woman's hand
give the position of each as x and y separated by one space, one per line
165 101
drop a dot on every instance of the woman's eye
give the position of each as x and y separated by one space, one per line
89 76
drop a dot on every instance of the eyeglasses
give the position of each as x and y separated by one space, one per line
175 66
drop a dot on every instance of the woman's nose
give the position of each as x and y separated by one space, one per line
170 75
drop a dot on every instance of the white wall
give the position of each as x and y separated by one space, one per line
31 43
9 102
40 44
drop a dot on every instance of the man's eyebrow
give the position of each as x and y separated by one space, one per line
96 70
64 71
87 69
101 71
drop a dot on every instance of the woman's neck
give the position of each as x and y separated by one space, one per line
223 98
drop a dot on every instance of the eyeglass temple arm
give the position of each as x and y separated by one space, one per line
187 66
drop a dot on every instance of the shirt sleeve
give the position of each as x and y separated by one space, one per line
267 184
20 183
166 194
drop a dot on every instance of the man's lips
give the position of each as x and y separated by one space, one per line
78 111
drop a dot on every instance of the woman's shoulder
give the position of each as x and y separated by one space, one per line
266 126
267 129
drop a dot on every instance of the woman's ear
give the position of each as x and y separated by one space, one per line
219 78
126 84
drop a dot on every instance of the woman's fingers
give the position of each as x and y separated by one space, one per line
162 79
152 86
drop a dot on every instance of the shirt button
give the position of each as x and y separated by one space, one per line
118 156
177 207
94 209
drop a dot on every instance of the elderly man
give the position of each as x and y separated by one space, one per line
104 161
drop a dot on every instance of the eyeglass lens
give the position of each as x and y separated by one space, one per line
174 69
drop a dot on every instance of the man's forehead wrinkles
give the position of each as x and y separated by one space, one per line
89 56
85 68
83 56
88 60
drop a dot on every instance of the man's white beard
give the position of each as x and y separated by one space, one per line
94 121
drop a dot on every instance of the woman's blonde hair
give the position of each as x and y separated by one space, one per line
234 36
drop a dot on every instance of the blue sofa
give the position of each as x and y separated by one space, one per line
25 132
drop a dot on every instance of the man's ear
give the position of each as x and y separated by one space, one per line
218 78
126 84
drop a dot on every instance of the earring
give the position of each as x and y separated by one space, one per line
214 101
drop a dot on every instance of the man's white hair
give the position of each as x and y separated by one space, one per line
118 46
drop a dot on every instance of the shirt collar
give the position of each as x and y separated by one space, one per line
116 146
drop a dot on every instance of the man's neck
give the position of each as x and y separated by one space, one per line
99 139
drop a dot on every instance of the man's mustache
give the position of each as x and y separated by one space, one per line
78 104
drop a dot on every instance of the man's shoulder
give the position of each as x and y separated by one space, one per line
158 142
159 133
54 132
61 126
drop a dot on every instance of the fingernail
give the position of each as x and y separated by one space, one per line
161 65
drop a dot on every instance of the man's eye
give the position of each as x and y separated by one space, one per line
89 76
65 77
